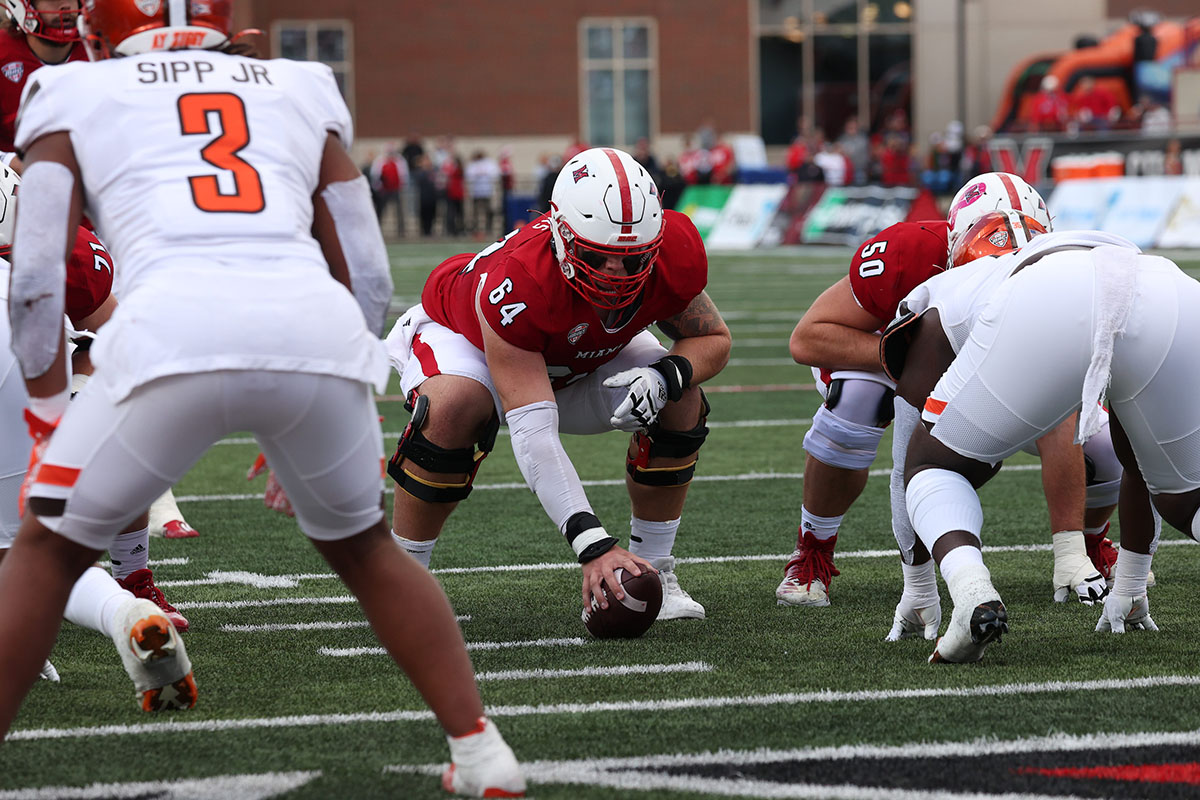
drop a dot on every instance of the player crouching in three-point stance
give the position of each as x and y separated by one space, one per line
1081 313
238 243
546 329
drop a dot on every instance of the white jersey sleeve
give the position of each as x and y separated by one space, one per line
317 96
44 112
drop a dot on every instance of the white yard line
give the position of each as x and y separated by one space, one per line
309 626
549 566
352 652
622 707
594 672
245 787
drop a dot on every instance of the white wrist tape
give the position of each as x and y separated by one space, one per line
1130 573
37 293
358 233
534 432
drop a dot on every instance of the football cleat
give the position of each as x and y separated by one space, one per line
178 529
483 765
48 673
676 602
808 573
979 618
140 583
1102 552
1074 571
915 617
154 657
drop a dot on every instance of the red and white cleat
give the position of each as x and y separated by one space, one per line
178 529
140 583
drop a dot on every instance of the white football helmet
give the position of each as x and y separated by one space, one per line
994 191
994 234
604 203
9 181
54 26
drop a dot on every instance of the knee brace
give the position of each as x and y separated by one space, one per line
840 443
413 446
940 501
658 442
863 401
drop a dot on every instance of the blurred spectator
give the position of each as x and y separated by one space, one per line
577 146
856 148
722 163
1173 159
1048 110
896 162
455 195
546 185
425 180
672 185
642 155
975 156
367 168
896 126
707 134
481 176
834 165
1153 118
807 171
507 181
389 173
875 164
1092 106
797 153
412 151
939 174
694 163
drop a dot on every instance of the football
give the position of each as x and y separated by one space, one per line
631 616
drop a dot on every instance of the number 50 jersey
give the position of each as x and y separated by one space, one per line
199 170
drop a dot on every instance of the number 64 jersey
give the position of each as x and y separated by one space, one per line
199 170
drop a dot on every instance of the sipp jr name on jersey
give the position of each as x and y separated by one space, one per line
195 71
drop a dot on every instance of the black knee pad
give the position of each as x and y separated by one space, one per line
413 446
667 444
883 415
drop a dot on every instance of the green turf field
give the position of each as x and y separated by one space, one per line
755 701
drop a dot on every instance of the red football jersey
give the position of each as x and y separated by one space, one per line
17 62
89 276
900 258
527 301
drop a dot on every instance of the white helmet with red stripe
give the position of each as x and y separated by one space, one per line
57 25
9 181
994 191
605 204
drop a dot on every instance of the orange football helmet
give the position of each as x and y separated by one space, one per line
994 234
111 28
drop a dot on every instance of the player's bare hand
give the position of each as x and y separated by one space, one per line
604 569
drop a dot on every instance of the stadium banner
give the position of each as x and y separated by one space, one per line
1082 205
1041 158
849 214
1140 208
1183 224
703 204
746 216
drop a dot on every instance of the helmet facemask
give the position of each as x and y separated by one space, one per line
583 264
58 27
994 234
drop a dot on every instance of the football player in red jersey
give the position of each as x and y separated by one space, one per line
34 33
546 330
840 335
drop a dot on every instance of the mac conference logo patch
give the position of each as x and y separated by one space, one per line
148 7
577 332
14 71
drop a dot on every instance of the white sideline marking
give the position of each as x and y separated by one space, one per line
624 707
274 601
566 565
309 626
620 772
244 787
350 652
589 672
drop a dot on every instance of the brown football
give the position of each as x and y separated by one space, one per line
630 617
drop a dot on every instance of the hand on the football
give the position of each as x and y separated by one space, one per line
647 395
604 569
1123 613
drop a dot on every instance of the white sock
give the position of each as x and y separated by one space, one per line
129 552
920 580
421 551
94 601
957 559
940 501
650 540
822 528
1096 531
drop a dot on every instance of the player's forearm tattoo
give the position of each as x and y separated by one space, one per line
700 318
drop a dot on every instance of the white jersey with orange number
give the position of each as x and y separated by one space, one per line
199 170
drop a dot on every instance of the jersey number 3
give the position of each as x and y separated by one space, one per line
221 152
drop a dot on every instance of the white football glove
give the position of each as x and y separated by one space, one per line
1073 570
1123 613
645 401
915 618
